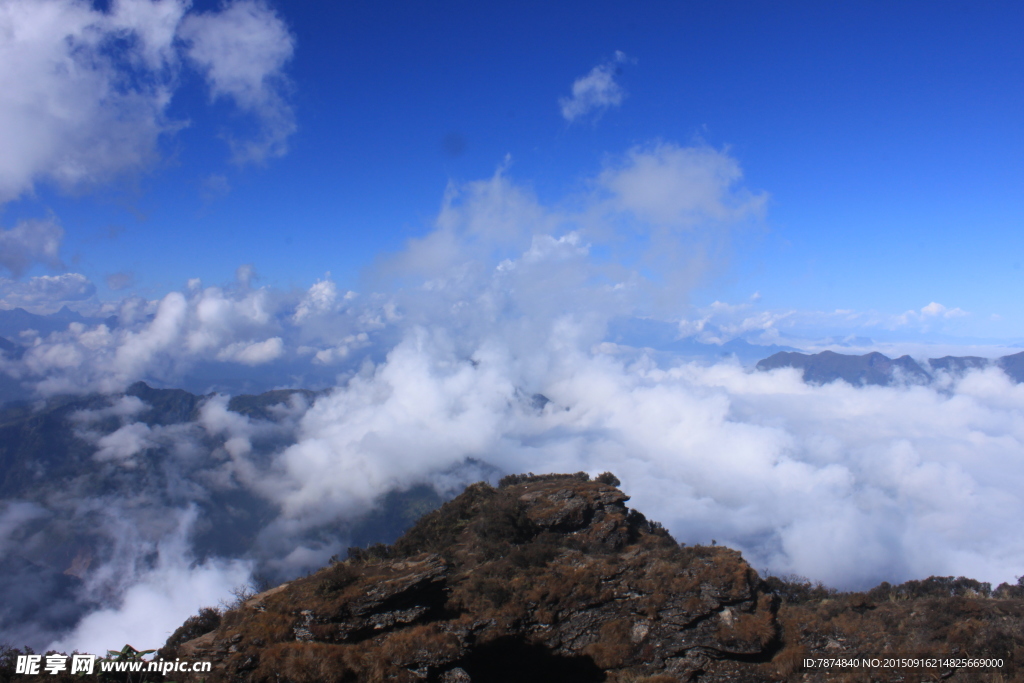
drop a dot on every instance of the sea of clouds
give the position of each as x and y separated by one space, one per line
504 300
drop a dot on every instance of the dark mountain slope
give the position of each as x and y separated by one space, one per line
1013 366
958 364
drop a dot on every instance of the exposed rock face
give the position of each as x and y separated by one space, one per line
553 578
549 578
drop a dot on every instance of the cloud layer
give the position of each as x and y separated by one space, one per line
505 301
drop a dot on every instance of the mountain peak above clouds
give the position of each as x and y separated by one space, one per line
542 578
553 578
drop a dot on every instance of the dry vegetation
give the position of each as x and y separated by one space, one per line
540 578
553 578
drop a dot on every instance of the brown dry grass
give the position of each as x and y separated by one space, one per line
307 663
757 628
614 646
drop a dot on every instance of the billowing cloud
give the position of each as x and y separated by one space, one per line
65 113
30 242
181 330
486 351
595 92
320 299
494 243
84 92
850 485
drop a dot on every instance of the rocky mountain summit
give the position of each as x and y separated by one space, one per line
554 578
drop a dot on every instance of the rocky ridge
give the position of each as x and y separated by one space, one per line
544 578
554 578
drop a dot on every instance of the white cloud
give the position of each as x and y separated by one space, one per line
320 299
938 310
496 257
844 484
158 598
680 187
478 221
123 407
748 458
67 287
722 322
595 92
242 49
253 353
932 310
84 93
340 352
46 292
67 112
30 242
210 324
357 445
124 443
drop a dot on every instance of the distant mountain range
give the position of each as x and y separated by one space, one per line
878 369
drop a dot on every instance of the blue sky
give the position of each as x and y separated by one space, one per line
887 139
